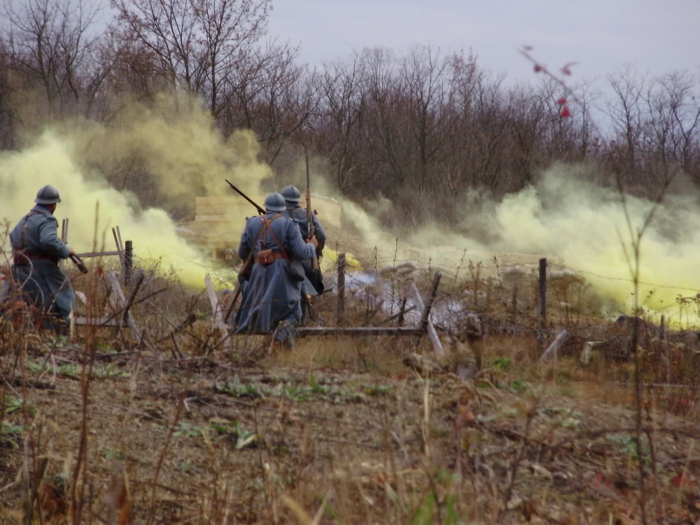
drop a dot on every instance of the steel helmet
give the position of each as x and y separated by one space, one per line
275 202
47 195
291 194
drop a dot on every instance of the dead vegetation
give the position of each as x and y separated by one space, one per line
171 428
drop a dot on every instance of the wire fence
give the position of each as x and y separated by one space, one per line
464 268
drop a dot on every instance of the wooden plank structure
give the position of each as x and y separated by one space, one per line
117 297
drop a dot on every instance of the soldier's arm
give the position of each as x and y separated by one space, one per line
48 238
320 234
298 248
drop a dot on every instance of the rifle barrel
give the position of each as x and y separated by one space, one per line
79 263
309 212
261 211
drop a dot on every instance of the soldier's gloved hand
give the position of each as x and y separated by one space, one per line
71 252
313 241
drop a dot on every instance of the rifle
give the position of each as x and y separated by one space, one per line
261 211
309 211
79 263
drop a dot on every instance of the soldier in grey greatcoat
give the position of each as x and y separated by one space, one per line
36 250
292 198
272 293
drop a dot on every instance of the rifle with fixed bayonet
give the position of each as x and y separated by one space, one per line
261 211
309 211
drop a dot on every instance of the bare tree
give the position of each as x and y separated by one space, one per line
197 42
626 113
339 117
50 43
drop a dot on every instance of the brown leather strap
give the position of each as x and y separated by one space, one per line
20 257
283 255
268 225
275 256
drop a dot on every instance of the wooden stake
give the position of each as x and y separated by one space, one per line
128 262
64 230
430 329
542 305
117 290
341 287
402 311
552 350
119 247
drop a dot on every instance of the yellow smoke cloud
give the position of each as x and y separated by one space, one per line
585 225
174 141
563 217
49 161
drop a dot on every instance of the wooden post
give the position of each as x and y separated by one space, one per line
128 262
664 345
120 250
514 303
430 329
542 305
402 311
64 238
121 300
429 305
64 230
341 287
555 346
134 291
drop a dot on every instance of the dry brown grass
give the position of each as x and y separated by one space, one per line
337 431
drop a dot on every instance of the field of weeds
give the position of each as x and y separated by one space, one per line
173 424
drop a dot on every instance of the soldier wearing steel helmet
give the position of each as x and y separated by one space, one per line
36 251
292 198
272 292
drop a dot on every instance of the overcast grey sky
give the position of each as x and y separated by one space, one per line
601 35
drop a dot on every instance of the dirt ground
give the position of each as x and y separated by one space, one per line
341 431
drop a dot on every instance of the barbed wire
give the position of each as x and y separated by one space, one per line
432 265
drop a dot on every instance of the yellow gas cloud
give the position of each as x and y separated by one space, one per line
571 221
585 225
49 161
175 141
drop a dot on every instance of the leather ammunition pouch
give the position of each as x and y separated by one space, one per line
267 257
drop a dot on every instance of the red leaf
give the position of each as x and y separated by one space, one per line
538 68
565 112
527 48
466 415
679 480
100 272
561 101
566 69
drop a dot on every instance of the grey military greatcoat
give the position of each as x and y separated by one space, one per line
35 272
271 299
